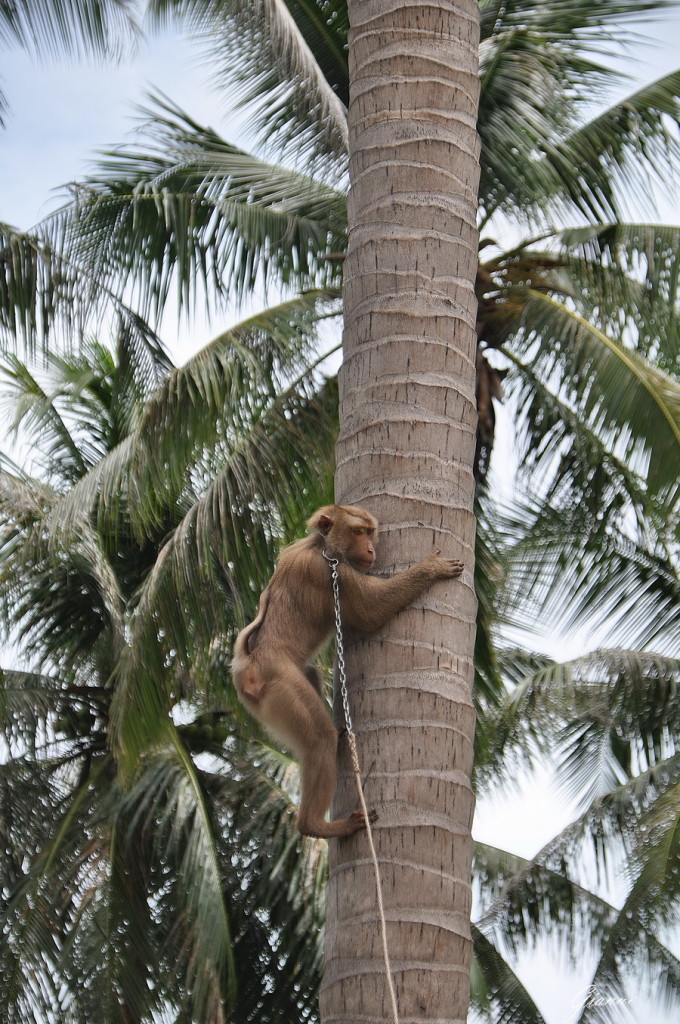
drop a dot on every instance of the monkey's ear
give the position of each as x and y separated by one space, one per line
324 524
322 520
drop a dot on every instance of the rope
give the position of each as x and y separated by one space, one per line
351 738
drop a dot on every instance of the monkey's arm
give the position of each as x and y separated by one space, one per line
369 602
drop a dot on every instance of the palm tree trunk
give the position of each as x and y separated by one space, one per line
406 450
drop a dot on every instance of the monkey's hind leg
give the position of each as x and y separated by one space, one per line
294 711
317 764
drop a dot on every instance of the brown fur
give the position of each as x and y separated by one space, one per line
271 669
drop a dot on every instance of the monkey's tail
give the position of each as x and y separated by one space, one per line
242 645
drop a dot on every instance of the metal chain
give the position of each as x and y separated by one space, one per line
339 645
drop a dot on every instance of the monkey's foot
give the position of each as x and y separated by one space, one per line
338 828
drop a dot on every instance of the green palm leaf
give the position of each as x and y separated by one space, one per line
36 410
44 296
632 945
192 209
61 595
626 150
528 898
31 947
170 793
626 280
26 703
626 399
496 991
626 700
591 546
205 406
537 155
34 279
225 389
71 26
577 23
288 59
111 959
285 878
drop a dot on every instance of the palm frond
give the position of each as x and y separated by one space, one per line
577 23
22 497
568 461
627 150
531 898
206 405
285 875
528 85
59 593
564 577
526 900
496 992
224 390
288 59
33 921
35 409
632 946
35 282
656 857
102 493
45 296
68 26
625 398
112 962
626 282
624 699
170 793
532 895
538 157
27 702
591 545
195 211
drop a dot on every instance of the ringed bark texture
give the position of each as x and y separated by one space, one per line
405 452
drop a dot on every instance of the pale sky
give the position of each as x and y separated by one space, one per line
59 116
62 116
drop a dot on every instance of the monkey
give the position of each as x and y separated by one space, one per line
271 666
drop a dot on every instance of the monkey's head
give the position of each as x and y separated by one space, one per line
349 533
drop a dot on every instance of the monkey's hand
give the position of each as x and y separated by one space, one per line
358 819
444 568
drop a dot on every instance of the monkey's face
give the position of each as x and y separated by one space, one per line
360 553
349 533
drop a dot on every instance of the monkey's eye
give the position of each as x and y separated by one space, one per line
357 531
